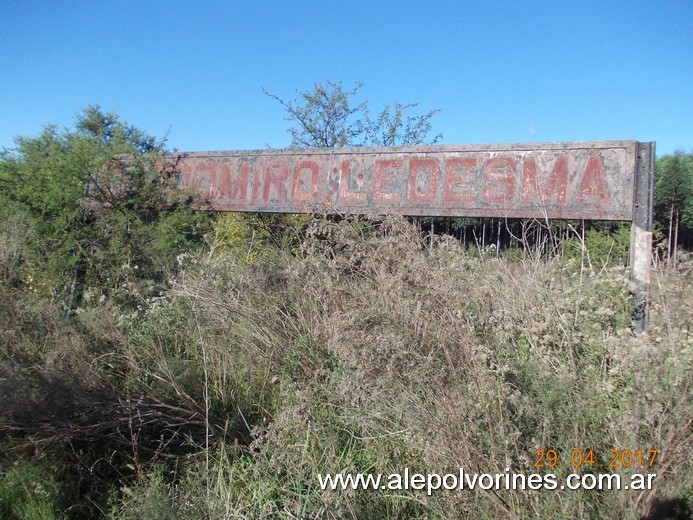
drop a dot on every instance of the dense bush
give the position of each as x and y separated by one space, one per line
90 212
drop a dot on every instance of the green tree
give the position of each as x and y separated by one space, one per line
673 197
99 202
329 116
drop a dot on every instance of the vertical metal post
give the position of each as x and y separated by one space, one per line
641 234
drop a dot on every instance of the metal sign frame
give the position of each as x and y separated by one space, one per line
641 233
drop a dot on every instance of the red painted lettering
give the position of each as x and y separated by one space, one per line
232 185
302 189
385 176
460 176
344 193
423 180
499 174
592 184
257 179
554 188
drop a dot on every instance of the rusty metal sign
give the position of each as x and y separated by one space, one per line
583 180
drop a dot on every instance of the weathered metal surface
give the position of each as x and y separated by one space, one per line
584 180
641 234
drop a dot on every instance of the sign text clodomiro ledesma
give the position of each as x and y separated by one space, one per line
571 181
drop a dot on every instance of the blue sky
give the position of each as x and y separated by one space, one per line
502 72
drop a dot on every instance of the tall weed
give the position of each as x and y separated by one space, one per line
373 350
376 351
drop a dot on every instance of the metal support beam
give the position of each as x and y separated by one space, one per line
641 234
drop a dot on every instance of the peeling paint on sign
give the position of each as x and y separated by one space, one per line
590 180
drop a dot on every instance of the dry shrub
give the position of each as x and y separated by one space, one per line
375 351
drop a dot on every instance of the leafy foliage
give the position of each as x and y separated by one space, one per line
248 236
674 185
603 245
100 208
28 491
329 117
673 198
368 350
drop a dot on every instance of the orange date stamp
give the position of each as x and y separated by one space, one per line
586 458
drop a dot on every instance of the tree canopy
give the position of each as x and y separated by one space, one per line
673 198
330 116
97 207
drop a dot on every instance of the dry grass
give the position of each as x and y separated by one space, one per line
374 350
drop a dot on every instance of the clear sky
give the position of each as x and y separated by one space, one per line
502 72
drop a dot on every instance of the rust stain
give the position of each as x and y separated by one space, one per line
590 180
